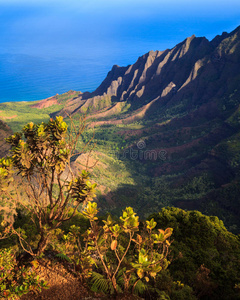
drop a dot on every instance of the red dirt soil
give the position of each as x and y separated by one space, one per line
46 103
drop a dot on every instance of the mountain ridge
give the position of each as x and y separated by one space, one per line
156 73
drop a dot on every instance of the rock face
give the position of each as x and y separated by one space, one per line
168 72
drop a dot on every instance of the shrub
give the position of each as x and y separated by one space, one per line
15 280
122 252
38 177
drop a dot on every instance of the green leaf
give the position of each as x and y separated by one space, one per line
151 224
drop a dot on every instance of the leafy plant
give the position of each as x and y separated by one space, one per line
122 251
15 280
38 177
99 283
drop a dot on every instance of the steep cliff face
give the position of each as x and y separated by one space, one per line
155 72
195 60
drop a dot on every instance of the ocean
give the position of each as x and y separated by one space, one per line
28 77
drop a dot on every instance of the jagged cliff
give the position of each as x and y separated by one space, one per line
196 68
160 74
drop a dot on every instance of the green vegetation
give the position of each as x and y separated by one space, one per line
205 255
16 281
40 211
201 161
37 181
17 114
112 243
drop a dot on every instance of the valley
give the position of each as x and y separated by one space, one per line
164 131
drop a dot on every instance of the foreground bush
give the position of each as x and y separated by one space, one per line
114 256
16 280
37 176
